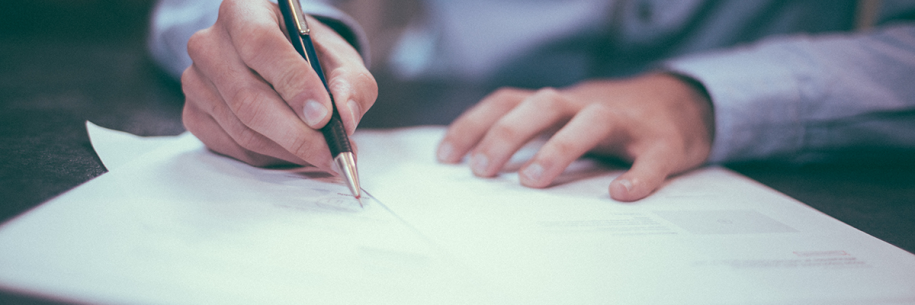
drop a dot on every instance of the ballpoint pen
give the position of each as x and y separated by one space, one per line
334 133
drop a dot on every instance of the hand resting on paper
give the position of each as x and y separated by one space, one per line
250 96
659 122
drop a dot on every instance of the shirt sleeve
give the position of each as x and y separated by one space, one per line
808 98
174 21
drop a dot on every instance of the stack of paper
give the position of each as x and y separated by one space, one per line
181 225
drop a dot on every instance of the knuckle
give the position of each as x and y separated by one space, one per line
360 85
673 144
228 7
255 41
338 81
503 97
252 42
194 44
548 92
605 113
504 132
187 79
192 83
545 104
197 44
338 73
602 111
289 80
195 94
247 138
505 92
366 80
503 102
246 104
547 99
459 130
189 117
560 147
303 148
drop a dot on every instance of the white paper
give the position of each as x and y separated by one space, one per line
185 226
711 236
116 148
181 225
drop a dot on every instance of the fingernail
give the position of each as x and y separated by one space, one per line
479 163
314 112
444 152
533 172
355 111
628 185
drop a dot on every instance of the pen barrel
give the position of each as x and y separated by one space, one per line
312 58
335 135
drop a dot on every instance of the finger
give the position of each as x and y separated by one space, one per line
592 125
201 94
256 34
469 128
205 128
542 110
648 172
354 93
254 102
353 87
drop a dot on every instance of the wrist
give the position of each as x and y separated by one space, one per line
700 98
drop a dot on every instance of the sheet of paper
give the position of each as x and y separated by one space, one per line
116 148
708 237
181 225
184 226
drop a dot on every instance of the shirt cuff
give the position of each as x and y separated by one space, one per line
756 97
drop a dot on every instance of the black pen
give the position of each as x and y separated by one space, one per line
334 133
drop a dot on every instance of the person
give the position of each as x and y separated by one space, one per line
666 85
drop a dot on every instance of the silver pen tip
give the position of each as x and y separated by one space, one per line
346 162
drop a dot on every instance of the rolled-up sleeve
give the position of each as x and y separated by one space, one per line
803 98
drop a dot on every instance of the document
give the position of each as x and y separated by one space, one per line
115 148
710 236
181 225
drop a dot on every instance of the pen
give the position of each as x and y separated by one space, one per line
334 133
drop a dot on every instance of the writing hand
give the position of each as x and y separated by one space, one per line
251 96
659 122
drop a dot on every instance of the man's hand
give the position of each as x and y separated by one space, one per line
252 97
659 122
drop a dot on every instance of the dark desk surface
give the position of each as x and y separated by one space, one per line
85 60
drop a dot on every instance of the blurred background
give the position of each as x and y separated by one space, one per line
63 62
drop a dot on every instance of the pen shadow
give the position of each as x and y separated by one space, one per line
307 172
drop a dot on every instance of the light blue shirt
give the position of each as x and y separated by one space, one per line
789 80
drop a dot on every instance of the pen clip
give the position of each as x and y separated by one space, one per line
298 17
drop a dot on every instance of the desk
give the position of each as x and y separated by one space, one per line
90 64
